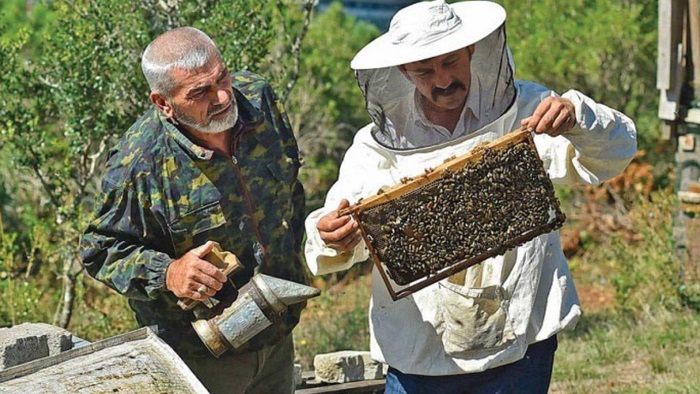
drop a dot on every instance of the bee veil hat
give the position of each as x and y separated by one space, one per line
425 30
428 29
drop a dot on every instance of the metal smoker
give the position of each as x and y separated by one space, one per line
258 304
251 312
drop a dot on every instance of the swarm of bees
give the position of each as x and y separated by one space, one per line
483 209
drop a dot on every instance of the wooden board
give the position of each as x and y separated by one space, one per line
363 387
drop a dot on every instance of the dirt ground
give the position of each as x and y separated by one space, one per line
595 298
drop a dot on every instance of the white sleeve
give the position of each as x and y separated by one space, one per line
600 146
355 170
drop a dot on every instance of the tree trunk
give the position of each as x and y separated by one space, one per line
64 313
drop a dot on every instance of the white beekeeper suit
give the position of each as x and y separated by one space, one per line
506 302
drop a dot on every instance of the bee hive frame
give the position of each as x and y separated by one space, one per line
424 193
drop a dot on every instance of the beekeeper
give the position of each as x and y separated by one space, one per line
438 83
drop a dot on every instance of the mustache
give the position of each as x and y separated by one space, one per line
219 108
453 87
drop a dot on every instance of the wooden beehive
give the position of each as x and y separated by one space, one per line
468 209
135 362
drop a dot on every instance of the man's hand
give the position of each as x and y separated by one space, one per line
192 277
554 116
339 232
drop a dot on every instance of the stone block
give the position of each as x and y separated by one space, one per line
30 341
346 366
297 375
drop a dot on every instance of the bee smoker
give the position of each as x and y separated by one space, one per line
259 302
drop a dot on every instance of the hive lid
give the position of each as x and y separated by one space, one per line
135 362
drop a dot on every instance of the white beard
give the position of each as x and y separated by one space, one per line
214 126
221 125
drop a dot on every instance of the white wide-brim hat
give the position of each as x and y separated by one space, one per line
428 29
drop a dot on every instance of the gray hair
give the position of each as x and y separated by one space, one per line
185 48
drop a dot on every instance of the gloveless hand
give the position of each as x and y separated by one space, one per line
553 116
339 232
192 277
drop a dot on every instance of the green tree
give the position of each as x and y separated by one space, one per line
606 49
327 107
62 107
19 14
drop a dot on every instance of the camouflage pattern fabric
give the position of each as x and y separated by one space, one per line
164 195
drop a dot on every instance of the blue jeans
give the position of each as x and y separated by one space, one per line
530 375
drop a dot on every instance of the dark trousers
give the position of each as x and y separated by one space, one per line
530 375
266 371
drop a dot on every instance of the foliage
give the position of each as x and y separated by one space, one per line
637 260
242 29
22 298
598 212
644 339
73 102
646 276
62 107
327 107
16 16
602 48
326 58
337 320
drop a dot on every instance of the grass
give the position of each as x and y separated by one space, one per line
638 336
335 321
612 353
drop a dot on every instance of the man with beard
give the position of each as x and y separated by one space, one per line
213 161
437 84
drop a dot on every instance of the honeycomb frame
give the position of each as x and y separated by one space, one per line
412 191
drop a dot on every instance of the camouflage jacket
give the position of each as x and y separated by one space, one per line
164 195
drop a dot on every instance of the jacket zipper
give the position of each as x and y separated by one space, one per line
246 193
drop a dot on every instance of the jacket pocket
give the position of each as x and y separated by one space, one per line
282 182
475 320
194 228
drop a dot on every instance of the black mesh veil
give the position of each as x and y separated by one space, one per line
389 94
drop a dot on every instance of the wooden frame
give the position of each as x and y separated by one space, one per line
453 164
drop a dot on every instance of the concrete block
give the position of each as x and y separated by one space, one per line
30 341
346 366
297 375
77 342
